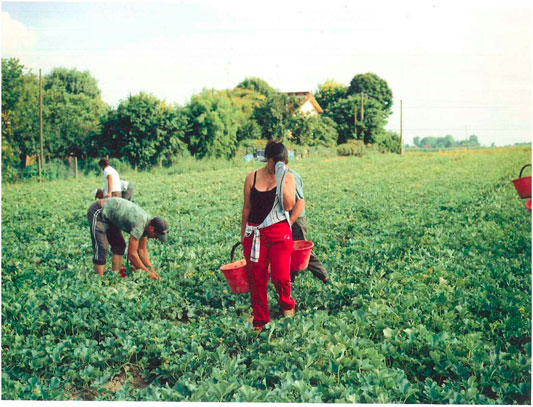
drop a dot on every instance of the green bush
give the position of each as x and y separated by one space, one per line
352 147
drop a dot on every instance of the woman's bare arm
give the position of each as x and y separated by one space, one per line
289 192
297 210
246 206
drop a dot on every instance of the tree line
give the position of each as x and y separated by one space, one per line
445 142
145 130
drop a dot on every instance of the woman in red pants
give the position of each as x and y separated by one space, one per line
269 193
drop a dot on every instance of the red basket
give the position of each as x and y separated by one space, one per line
235 274
301 252
523 184
528 204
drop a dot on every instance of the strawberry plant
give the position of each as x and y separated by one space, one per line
429 301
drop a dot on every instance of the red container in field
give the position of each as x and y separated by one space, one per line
301 252
528 204
125 271
235 274
523 184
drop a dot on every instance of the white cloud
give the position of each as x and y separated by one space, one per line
17 39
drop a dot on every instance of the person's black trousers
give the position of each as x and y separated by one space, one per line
299 231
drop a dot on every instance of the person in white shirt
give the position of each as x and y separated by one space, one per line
112 186
126 188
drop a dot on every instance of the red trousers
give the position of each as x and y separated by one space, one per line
276 250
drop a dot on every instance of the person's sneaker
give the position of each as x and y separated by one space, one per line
288 313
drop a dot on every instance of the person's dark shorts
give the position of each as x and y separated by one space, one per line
103 234
128 193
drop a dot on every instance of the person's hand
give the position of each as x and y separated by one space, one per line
153 275
108 195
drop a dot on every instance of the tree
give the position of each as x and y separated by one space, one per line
375 88
144 130
214 121
449 141
246 101
373 125
258 85
342 113
20 108
313 131
273 116
329 93
72 111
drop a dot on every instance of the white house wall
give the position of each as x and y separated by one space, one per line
308 108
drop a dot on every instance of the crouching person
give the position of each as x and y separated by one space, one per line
108 218
126 191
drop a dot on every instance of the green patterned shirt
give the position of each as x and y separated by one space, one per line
127 216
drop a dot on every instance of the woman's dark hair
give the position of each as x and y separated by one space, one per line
104 162
277 151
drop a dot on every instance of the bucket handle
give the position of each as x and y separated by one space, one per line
527 165
233 250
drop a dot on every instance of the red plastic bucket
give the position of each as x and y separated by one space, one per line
523 184
301 252
235 274
528 204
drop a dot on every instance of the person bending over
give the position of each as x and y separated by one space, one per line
108 218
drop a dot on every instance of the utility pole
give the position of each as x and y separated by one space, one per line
41 160
362 108
401 127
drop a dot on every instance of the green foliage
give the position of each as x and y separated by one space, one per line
329 93
246 101
388 141
445 142
72 111
12 83
313 130
20 108
213 124
143 130
257 85
375 88
371 129
342 113
429 298
273 116
351 147
250 129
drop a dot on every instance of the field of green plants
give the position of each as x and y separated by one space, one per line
429 257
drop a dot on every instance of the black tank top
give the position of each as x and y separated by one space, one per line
262 203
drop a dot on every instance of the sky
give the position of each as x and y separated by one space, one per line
459 68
